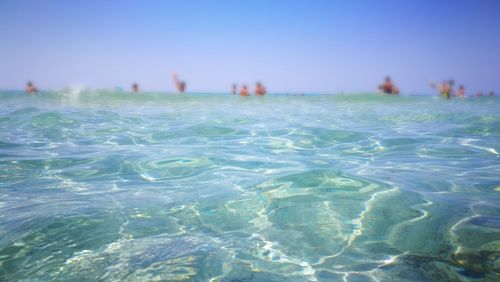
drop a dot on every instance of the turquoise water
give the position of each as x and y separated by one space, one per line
155 187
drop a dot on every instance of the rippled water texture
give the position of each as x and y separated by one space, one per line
116 186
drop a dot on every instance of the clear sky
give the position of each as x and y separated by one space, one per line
291 46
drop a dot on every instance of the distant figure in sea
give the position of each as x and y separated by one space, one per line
395 90
31 88
491 93
180 84
445 88
461 91
260 90
244 90
388 87
234 89
135 88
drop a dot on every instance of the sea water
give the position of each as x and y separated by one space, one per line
108 186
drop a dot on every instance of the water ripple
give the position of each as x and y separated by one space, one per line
97 185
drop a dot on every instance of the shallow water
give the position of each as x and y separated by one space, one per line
116 186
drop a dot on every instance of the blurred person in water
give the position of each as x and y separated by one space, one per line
244 91
461 91
445 88
234 89
31 88
388 87
180 84
135 88
260 90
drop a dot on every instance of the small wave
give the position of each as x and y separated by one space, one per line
51 120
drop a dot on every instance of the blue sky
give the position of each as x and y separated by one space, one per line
292 46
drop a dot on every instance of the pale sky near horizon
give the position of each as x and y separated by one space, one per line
292 46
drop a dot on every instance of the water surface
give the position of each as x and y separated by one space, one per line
120 186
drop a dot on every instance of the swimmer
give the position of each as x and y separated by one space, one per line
395 90
491 93
180 84
260 90
388 87
30 88
461 91
135 87
234 89
244 91
445 88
